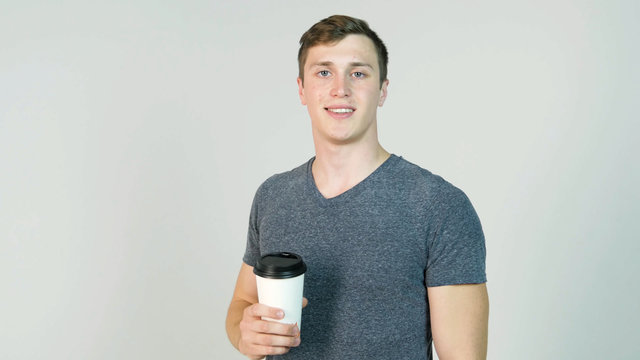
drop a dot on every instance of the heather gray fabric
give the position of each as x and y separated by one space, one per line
370 252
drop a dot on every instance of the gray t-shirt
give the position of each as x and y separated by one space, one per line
370 253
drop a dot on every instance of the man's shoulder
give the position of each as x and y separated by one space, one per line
416 175
421 181
286 181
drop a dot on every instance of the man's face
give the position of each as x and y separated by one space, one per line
342 90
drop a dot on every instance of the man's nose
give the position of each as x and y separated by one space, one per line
340 87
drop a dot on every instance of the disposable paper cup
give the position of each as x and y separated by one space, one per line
280 279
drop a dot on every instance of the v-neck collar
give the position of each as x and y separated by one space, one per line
350 193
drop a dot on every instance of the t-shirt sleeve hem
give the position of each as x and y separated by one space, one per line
478 280
249 261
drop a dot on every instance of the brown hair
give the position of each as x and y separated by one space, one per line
335 28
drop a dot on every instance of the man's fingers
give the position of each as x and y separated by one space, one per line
276 328
258 342
259 310
277 340
270 350
257 351
266 337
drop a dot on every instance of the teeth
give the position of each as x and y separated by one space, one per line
341 110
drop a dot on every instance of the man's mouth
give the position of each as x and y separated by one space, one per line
340 111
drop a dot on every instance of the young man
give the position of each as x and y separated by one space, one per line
395 254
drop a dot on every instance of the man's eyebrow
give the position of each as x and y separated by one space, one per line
323 63
351 64
356 64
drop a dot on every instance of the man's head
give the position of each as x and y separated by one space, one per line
335 28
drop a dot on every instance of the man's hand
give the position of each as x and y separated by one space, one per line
262 337
251 335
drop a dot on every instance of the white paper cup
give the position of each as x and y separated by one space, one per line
280 280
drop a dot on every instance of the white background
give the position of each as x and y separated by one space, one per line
133 136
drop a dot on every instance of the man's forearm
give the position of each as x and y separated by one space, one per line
234 316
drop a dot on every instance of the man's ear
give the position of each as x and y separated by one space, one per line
383 92
301 92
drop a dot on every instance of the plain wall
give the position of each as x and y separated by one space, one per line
133 136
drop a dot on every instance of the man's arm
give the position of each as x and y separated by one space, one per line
459 320
246 330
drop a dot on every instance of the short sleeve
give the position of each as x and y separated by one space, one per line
252 251
456 245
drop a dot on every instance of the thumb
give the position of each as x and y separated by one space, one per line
304 301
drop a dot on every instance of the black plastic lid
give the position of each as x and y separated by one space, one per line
281 265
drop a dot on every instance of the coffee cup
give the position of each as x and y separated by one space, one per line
280 280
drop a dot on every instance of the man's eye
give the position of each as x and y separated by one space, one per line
323 73
359 74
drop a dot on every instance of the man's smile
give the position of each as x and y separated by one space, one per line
340 111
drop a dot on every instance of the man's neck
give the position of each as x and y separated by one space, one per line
337 169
